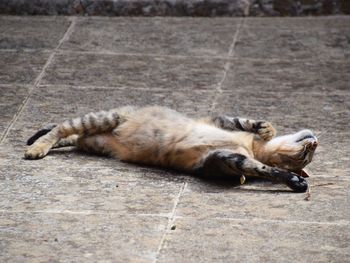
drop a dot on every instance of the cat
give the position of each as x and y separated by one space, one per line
212 146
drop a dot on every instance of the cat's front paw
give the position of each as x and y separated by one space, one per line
297 184
36 151
292 180
265 130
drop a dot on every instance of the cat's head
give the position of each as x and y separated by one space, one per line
291 152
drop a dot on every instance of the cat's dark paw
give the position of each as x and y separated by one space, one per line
297 183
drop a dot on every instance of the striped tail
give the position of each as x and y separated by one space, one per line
40 133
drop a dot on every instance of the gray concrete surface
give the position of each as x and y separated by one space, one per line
71 207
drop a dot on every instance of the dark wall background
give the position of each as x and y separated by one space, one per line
175 7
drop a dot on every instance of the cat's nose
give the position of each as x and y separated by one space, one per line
313 145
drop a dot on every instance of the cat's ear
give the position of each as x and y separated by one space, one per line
303 173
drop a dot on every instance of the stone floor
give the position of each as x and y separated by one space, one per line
70 207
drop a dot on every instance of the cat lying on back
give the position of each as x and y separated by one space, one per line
160 136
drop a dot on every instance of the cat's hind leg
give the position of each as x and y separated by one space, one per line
90 124
67 142
226 162
101 144
263 128
93 143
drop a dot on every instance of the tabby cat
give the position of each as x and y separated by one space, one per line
213 146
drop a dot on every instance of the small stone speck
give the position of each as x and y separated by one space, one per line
173 227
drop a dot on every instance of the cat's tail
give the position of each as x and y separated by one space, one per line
46 129
69 141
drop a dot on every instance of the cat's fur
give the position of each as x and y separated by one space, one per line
160 136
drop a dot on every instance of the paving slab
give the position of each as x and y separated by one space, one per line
333 146
276 74
336 74
267 201
324 43
320 111
299 23
11 98
21 67
134 71
80 189
31 32
57 237
162 36
212 240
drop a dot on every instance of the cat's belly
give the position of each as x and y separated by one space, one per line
179 145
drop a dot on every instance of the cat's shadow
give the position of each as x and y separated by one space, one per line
206 184
250 185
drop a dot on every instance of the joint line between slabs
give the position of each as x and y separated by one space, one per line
50 59
82 212
157 89
261 220
170 220
38 79
222 57
164 215
227 66
120 53
116 87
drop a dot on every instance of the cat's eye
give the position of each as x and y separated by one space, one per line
305 137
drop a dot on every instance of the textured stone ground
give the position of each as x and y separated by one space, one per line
70 207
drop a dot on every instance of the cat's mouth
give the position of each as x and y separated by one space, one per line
309 147
306 149
303 173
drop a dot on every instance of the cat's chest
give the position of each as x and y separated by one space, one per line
207 134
